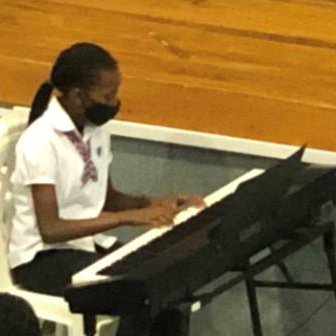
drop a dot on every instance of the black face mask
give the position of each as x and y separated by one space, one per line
99 113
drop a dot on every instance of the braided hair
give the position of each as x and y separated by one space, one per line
76 66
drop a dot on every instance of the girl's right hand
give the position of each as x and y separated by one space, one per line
153 216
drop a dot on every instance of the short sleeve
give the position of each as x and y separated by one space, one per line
35 163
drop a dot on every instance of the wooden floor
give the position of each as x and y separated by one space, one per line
260 69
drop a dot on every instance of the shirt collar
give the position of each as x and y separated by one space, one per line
61 121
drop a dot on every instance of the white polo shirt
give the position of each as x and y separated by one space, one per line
45 156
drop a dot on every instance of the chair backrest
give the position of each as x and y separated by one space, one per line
4 111
11 127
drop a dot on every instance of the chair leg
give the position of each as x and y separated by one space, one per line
61 330
76 327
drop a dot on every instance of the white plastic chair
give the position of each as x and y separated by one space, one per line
47 307
4 110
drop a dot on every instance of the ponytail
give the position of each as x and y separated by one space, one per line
40 101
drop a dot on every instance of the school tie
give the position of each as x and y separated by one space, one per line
84 150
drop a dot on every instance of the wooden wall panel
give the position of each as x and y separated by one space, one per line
260 69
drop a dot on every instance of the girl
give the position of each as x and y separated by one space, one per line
62 192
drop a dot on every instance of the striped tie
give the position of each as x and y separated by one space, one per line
84 150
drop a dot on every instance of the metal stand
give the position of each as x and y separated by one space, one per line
327 232
247 271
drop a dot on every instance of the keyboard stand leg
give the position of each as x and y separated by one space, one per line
283 268
185 321
253 303
171 322
329 248
182 326
89 324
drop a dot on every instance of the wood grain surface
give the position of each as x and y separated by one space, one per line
259 69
